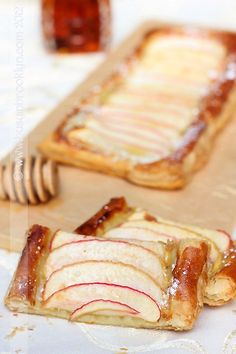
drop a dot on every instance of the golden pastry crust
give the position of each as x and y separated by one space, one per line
175 170
110 213
190 274
221 283
223 280
182 296
24 286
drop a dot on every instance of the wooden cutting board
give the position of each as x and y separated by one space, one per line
209 200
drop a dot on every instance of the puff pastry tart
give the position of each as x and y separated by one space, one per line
154 120
112 281
117 220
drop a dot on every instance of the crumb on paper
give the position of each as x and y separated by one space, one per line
18 351
16 330
30 328
1 315
123 351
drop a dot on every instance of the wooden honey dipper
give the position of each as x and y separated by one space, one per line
34 181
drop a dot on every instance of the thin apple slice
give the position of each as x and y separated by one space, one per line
106 250
62 238
137 215
137 233
220 237
227 235
168 231
103 307
171 230
72 297
140 214
104 272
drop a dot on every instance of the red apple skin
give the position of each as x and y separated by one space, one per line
107 241
77 236
104 284
128 242
155 282
130 310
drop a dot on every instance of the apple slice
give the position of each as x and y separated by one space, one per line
108 250
61 238
227 235
137 233
139 214
221 238
103 307
105 272
72 297
95 128
171 230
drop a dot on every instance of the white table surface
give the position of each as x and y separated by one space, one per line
46 80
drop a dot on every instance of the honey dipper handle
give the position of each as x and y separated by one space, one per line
33 181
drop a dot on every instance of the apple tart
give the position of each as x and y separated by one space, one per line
118 220
111 281
153 121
